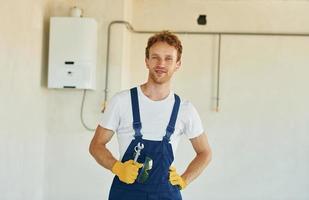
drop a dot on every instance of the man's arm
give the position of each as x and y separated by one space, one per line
201 160
98 148
127 172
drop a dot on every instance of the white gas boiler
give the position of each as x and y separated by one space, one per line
72 53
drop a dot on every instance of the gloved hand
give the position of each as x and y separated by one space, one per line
127 172
175 179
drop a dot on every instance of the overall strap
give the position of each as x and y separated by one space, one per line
137 125
171 125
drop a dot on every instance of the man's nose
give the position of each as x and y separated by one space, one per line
160 61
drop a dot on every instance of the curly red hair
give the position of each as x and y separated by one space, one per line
169 38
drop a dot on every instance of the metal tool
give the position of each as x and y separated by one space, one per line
138 148
144 173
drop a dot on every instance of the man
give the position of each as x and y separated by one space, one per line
149 120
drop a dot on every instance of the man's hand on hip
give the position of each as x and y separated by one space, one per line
176 179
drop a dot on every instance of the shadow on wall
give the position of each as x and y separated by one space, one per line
45 38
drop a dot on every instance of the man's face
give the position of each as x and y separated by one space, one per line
162 62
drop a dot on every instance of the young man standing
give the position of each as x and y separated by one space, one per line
149 120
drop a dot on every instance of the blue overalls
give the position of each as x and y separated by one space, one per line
157 186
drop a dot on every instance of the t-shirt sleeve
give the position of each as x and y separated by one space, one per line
110 118
193 126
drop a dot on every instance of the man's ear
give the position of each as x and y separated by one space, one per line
178 64
146 62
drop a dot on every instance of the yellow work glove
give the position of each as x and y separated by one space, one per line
175 179
127 172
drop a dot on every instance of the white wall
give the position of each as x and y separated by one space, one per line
262 146
23 99
44 148
258 137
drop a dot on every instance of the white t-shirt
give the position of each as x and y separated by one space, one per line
154 115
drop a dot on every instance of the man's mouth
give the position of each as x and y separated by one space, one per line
160 71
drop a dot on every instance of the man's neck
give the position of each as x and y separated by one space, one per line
156 92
